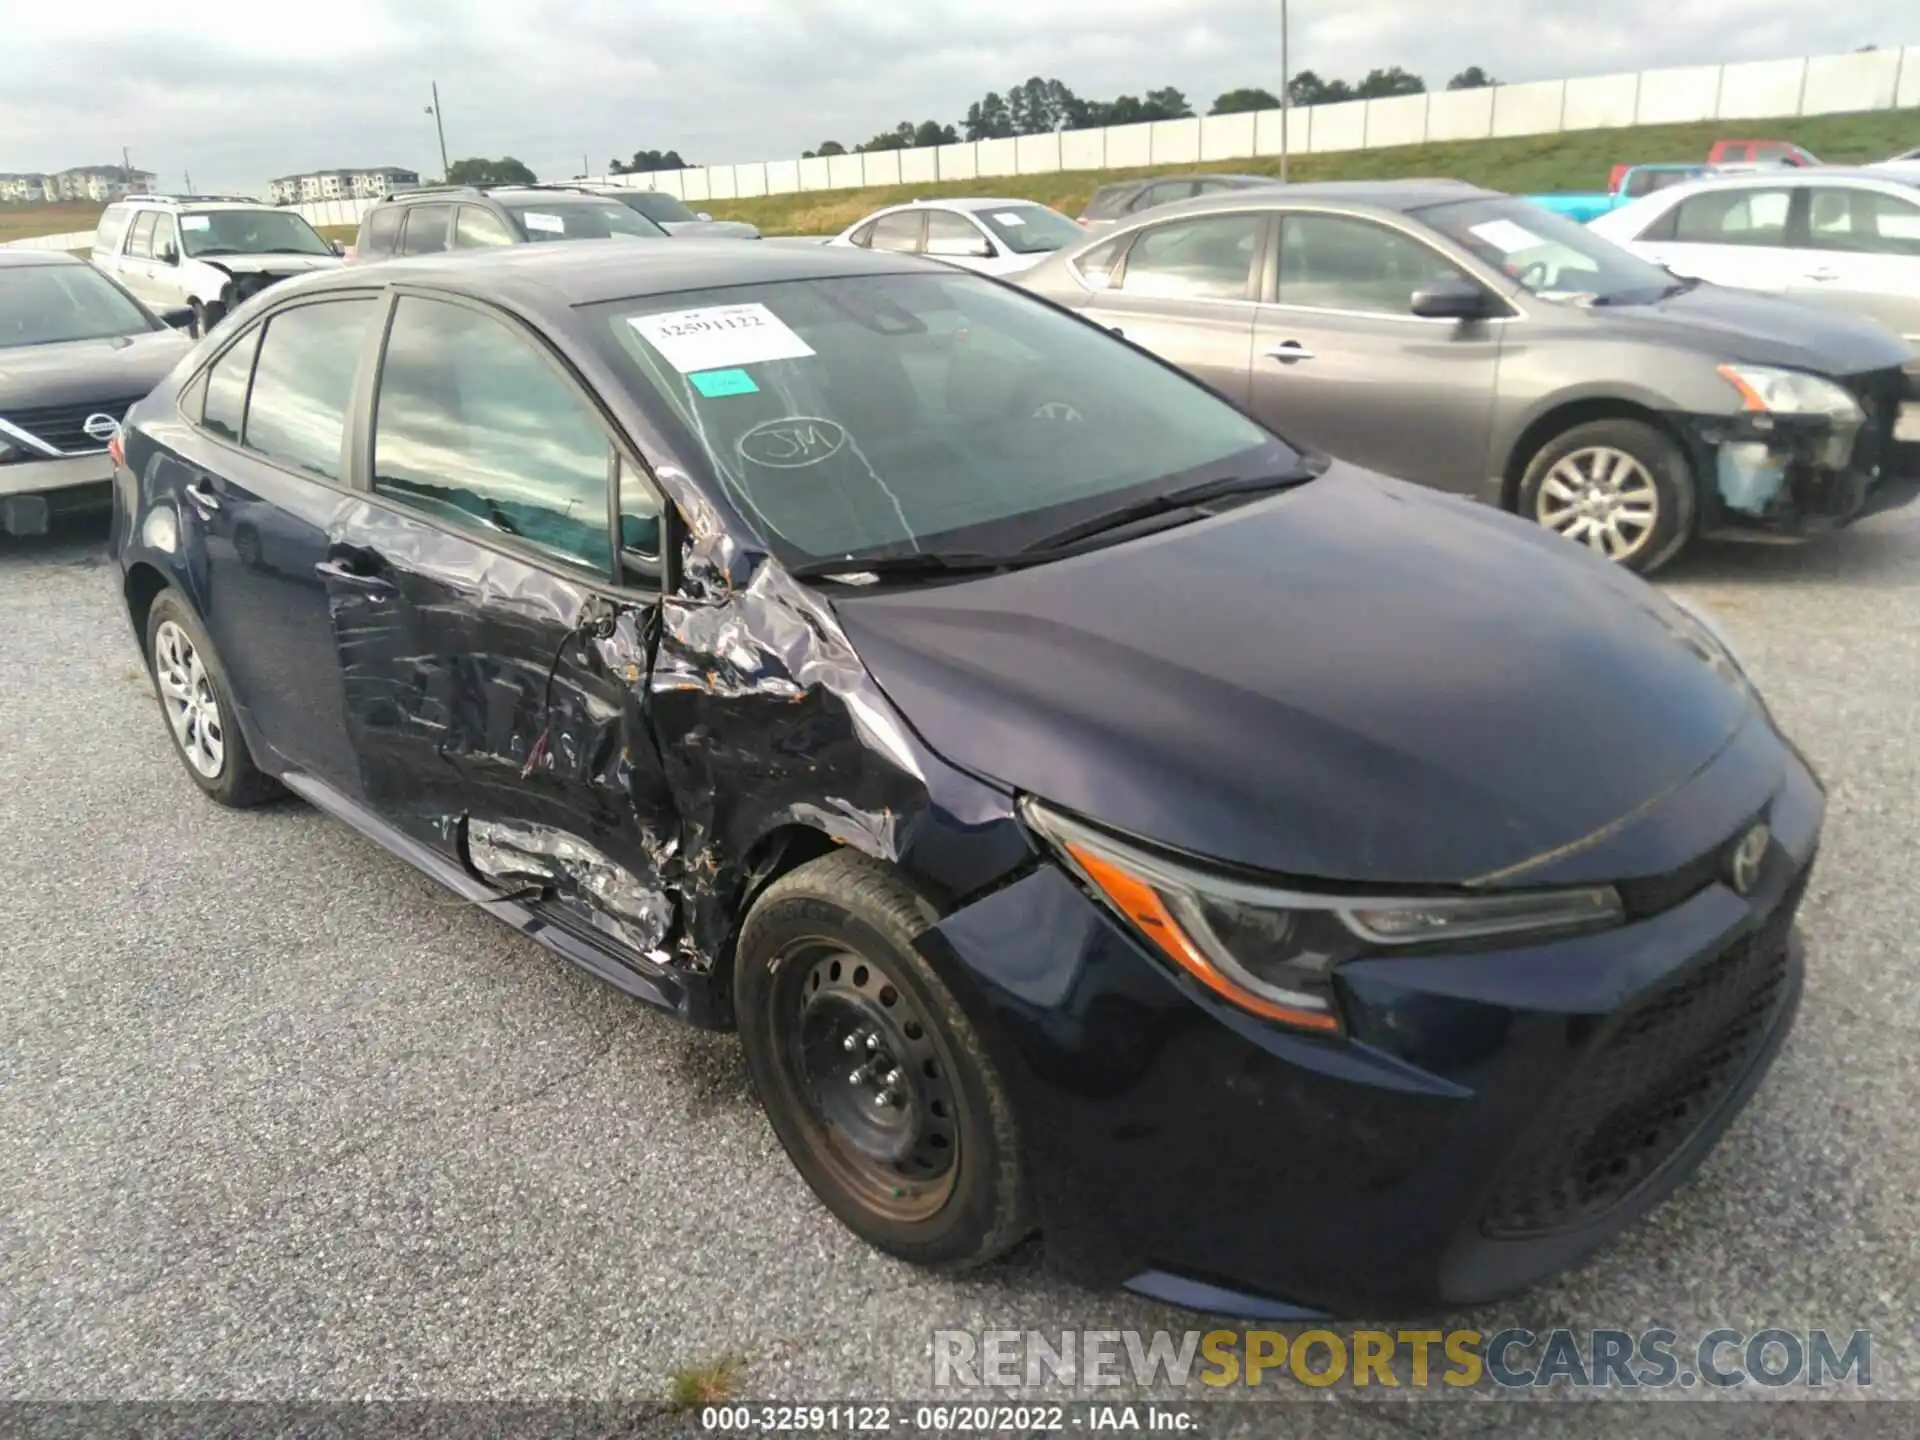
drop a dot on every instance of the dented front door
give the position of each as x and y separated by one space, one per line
497 705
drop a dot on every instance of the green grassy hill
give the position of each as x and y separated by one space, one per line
1577 160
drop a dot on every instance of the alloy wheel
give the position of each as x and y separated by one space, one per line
1602 496
877 1094
186 691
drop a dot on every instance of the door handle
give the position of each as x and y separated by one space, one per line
342 573
1288 351
1823 273
203 498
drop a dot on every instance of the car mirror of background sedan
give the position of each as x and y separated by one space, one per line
967 249
1451 302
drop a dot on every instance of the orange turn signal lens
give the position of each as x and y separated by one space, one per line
1750 398
1143 905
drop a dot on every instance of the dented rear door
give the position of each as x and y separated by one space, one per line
495 662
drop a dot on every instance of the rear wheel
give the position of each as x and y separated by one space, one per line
198 704
1623 488
875 1081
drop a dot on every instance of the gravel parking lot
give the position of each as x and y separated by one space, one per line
280 1118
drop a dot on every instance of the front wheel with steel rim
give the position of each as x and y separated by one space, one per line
1622 488
198 704
875 1080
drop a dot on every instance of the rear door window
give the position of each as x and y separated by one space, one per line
226 390
475 426
1204 259
1734 217
140 242
303 383
897 232
427 230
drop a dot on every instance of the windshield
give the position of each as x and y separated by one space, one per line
881 415
46 304
1552 256
1030 229
658 205
249 232
580 219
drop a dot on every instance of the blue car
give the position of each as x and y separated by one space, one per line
1284 889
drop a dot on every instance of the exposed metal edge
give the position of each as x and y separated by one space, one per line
660 991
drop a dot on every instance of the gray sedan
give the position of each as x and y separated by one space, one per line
1468 340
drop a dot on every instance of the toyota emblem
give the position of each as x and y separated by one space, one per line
1743 871
100 426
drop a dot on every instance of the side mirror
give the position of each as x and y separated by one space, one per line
168 255
336 247
176 317
979 249
1453 300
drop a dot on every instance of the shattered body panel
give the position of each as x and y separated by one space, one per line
768 723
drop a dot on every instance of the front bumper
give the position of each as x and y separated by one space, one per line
33 491
1489 1120
1785 478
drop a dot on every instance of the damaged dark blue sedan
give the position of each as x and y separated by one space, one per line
1283 888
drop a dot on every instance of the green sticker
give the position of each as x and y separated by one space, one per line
715 383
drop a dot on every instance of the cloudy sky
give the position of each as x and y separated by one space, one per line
232 93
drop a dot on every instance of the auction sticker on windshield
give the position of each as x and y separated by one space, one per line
546 224
195 222
1507 237
719 337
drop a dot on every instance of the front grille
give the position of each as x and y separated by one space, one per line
61 426
1648 1086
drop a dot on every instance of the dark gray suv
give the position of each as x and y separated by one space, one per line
434 218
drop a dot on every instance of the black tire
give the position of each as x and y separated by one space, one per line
849 906
237 782
1657 454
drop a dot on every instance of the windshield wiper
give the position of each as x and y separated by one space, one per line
1167 502
925 562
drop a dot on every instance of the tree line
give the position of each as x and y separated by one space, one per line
1038 107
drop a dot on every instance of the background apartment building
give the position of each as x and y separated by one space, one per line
82 182
340 185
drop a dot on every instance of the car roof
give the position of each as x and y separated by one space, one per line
1900 176
588 272
1398 195
18 256
967 203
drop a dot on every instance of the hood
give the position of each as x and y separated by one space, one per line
1356 680
1762 329
711 229
80 372
272 264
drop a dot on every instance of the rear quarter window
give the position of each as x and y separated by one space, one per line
112 229
380 232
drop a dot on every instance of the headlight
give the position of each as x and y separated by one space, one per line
1789 392
1272 951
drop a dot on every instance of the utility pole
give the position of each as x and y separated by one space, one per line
189 175
1286 96
439 128
125 163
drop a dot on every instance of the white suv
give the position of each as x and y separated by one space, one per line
203 251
